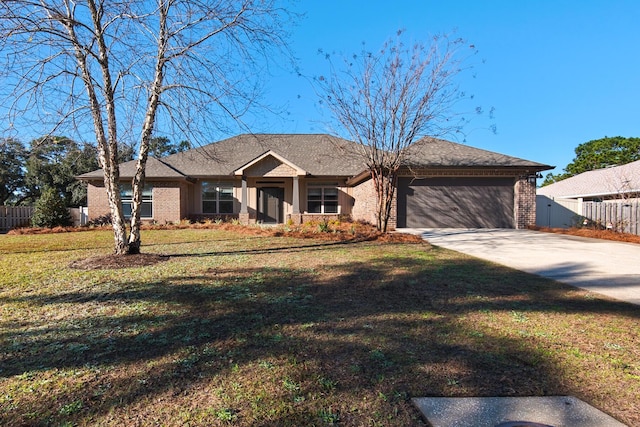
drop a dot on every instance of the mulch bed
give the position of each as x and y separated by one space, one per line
593 233
109 262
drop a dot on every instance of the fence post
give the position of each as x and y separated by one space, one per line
84 215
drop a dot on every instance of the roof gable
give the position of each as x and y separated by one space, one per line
270 164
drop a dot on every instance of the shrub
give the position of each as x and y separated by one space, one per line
100 221
50 210
323 227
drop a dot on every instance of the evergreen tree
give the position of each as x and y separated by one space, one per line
54 162
598 154
50 210
12 156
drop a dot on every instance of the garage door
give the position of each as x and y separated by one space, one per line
455 203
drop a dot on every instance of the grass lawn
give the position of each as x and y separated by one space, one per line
256 330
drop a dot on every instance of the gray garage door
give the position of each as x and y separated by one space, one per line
455 202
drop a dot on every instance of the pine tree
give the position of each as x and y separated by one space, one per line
50 210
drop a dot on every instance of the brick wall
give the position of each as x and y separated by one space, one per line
393 218
459 172
525 203
169 201
298 219
97 200
364 205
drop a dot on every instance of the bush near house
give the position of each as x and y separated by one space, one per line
50 211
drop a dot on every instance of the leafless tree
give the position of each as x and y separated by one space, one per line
119 69
390 99
623 185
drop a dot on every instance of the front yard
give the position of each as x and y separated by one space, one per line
257 330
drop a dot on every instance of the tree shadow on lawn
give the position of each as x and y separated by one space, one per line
112 261
289 248
100 245
357 341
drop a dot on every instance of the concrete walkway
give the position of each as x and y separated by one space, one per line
602 266
609 268
543 411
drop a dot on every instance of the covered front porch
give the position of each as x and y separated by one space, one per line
275 191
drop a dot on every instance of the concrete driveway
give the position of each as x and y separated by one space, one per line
606 267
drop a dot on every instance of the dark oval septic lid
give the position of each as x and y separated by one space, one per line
521 424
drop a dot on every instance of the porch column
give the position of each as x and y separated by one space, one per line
243 206
296 196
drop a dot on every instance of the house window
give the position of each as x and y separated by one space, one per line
217 198
126 196
322 198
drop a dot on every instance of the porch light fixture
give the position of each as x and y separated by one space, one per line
532 178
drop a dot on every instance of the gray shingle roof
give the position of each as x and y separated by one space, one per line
611 181
317 154
156 168
440 153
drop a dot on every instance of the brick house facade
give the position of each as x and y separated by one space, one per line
297 178
525 207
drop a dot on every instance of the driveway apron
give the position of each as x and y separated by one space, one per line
602 266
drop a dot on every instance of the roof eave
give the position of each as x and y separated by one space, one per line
359 178
588 195
514 169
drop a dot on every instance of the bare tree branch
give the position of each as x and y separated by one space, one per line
115 71
389 100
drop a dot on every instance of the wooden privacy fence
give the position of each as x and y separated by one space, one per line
617 215
20 216
14 216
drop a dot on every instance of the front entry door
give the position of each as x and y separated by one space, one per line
270 201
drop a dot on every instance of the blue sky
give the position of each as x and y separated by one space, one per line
558 73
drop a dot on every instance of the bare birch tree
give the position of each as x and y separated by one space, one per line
118 69
388 100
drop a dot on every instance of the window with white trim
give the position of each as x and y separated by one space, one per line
126 196
217 198
322 198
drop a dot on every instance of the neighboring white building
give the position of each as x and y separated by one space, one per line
563 204
617 182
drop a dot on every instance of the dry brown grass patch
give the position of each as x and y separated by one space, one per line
247 330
